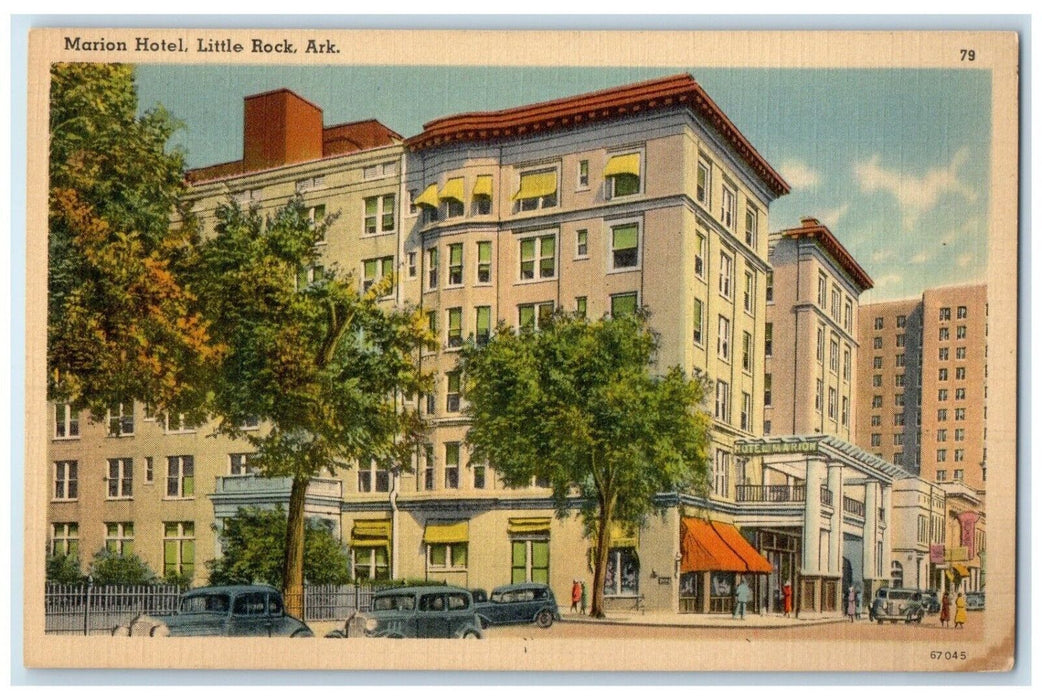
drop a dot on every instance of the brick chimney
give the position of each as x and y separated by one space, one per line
280 128
809 222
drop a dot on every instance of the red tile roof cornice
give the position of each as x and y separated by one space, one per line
663 93
812 228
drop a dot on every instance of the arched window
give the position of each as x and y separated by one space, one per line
897 574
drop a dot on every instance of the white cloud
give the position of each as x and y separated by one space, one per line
965 260
883 254
920 257
831 217
915 195
800 175
891 279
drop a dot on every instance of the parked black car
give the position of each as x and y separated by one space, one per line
221 611
444 612
895 604
931 602
975 600
518 604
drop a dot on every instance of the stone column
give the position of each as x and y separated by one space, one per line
835 485
812 516
871 530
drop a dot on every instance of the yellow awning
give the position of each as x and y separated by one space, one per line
528 526
537 185
621 536
447 533
483 186
371 533
960 569
453 189
628 164
429 198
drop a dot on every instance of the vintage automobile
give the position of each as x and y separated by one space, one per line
975 600
519 604
931 602
895 604
444 612
221 611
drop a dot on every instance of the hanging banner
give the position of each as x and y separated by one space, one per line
968 521
936 553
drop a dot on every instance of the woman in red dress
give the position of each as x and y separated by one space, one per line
946 609
787 594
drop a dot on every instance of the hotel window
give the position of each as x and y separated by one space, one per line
960 394
960 332
877 439
429 467
942 354
942 475
537 190
65 539
820 345
454 332
942 334
119 538
960 373
582 244
721 473
445 556
899 439
768 339
623 304
942 374
836 297
899 380
530 559
877 401
942 414
723 401
899 360
848 314
961 312
901 321
823 292
960 353
534 316
699 321
747 410
728 207
877 362
580 307
832 403
480 472
946 314
373 478
942 394
942 455
819 395
121 419
316 216
960 456
432 328
240 464
942 435
877 420
538 252
899 399
452 465
898 458
307 276
412 265
150 472
583 177
452 195
900 340
66 484
766 390
723 338
432 268
748 295
455 264
958 474
180 476
846 411
66 421
452 392
834 355
379 214
482 324
704 183
484 262
700 256
625 246
622 175
375 270
726 264
770 285
960 414
481 195
369 563
751 218
877 323
899 419
960 435
766 427
120 478
179 549
372 172
877 343
747 351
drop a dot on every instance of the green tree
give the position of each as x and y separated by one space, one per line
110 568
253 546
64 568
576 404
323 364
121 325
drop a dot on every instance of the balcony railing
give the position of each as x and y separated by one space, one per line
758 493
826 497
853 507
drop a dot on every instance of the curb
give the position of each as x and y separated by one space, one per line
702 625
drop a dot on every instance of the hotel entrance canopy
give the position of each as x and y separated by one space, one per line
708 545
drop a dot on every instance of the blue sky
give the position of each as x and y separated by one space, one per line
895 162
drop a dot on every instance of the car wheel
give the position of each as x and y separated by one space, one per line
485 624
544 619
336 634
301 633
879 621
472 634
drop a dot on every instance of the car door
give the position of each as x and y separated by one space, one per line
432 618
250 615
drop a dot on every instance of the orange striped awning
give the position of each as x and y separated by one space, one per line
708 545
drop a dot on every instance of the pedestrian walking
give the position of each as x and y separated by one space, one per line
576 595
960 611
857 609
743 595
851 603
787 596
946 609
582 597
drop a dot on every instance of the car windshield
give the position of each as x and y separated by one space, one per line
394 602
207 602
900 595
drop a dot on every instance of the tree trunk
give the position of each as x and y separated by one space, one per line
601 563
293 570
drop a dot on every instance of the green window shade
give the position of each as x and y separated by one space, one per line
370 206
128 548
459 555
622 304
540 554
526 316
112 530
387 224
432 257
112 546
381 556
455 320
74 548
438 554
580 306
528 249
387 267
189 485
188 555
484 252
484 319
546 246
624 237
456 254
188 529
519 559
545 312
170 530
170 557
432 320
452 449
698 316
370 269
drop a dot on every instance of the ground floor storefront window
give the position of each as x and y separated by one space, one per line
622 574
530 561
369 563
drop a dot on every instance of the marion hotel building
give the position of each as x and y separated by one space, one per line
641 195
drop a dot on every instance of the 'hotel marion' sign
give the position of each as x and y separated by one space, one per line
773 448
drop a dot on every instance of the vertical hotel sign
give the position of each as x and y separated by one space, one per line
967 522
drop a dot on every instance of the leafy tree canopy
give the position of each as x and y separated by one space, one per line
109 568
576 404
64 568
121 324
253 547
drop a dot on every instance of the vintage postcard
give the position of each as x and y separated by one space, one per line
515 350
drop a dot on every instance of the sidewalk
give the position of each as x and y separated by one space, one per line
661 619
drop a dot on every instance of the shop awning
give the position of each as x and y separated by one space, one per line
628 164
622 536
483 186
447 533
537 185
371 533
453 189
528 526
429 198
707 545
960 569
